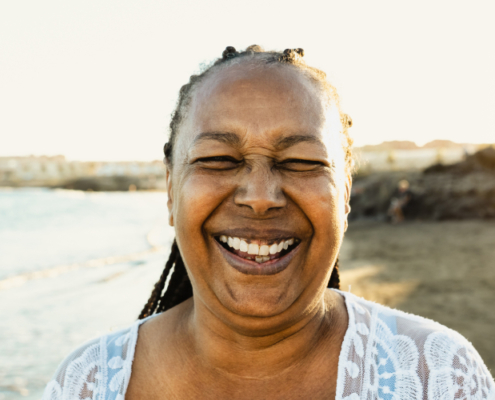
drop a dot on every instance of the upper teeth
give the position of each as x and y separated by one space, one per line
256 248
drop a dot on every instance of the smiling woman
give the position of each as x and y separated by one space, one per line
259 177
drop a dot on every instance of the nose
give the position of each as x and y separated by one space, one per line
260 189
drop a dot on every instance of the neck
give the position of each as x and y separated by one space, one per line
256 354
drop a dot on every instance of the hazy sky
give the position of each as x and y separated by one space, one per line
97 80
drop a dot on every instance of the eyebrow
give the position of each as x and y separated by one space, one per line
224 137
234 140
289 141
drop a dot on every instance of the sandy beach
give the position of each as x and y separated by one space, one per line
439 270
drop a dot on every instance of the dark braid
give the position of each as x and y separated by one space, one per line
156 300
179 287
291 55
229 52
334 282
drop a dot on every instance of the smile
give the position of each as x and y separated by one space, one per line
260 251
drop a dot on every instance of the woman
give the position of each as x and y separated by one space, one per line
259 177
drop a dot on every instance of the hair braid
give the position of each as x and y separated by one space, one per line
179 287
334 282
229 52
156 295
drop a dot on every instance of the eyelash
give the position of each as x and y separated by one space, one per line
218 159
284 164
296 160
219 163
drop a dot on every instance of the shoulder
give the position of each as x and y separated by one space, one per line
411 354
98 366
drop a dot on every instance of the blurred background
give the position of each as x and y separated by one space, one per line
86 92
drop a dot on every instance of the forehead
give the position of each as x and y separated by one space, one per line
257 99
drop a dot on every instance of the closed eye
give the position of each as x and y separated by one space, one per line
297 164
218 162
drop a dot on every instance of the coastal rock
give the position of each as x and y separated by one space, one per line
465 190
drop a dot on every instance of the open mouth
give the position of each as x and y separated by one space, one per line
260 251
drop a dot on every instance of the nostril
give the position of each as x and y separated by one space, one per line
260 199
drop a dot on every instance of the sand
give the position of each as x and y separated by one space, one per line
440 270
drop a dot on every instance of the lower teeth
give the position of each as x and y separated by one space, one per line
258 259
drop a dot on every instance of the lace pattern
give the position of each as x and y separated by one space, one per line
390 355
386 355
456 370
98 370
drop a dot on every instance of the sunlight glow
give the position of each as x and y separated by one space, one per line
97 80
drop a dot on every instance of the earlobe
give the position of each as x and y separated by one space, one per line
170 212
347 208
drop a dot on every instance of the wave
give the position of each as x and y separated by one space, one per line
18 280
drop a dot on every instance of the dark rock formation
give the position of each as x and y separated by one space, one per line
482 161
460 191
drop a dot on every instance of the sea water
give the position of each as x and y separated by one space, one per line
73 265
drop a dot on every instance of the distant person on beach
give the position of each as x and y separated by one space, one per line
399 201
248 305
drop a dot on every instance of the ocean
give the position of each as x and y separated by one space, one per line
73 265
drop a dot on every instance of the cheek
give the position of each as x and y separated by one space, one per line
322 200
197 198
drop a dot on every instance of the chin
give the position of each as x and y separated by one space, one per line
257 302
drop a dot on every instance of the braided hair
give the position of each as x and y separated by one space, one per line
179 286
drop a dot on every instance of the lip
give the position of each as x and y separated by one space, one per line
253 268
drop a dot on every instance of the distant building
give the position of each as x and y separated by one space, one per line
404 155
19 170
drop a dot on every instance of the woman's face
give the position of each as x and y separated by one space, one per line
258 192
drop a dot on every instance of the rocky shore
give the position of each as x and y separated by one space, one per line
464 190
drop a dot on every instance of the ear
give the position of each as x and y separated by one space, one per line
170 198
348 187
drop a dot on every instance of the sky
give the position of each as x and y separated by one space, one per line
97 80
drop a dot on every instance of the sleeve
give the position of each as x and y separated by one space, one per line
78 375
455 369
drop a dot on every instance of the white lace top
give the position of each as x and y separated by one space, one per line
386 354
